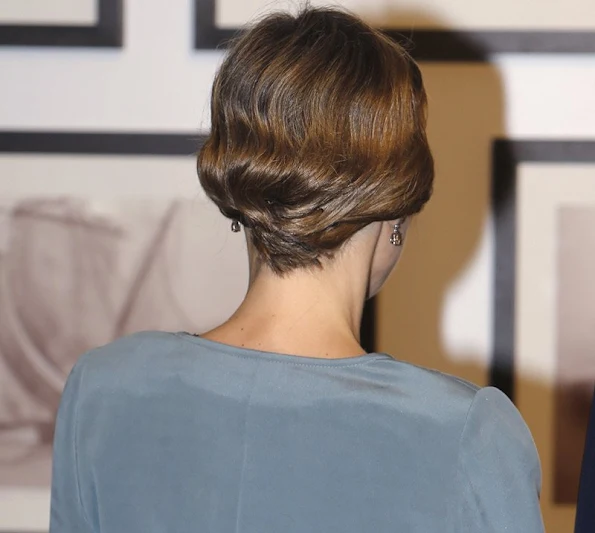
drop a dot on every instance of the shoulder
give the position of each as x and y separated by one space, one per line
436 395
494 423
479 418
126 359
129 348
496 448
498 468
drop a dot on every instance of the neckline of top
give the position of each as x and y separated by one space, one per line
281 357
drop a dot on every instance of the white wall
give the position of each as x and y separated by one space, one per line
437 310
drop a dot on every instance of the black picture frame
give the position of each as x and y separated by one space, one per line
506 156
163 144
431 45
107 32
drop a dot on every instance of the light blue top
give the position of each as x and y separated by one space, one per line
171 433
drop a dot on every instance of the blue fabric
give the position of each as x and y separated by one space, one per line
167 432
585 509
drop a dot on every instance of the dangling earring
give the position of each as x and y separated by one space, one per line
235 226
396 239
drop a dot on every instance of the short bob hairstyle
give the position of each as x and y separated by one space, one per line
318 129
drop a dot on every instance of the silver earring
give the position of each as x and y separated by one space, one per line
235 226
396 239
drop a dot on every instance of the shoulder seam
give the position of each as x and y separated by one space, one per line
468 385
458 462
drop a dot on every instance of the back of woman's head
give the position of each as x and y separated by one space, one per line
318 129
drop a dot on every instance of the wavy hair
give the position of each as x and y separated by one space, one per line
317 129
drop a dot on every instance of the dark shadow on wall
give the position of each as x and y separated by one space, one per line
466 112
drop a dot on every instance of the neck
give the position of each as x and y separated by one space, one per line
314 314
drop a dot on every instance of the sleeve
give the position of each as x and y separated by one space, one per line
67 514
498 468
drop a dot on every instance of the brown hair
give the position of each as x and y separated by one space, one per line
318 129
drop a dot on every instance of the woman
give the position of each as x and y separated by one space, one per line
277 420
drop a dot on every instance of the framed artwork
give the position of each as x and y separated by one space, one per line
544 303
433 30
101 235
82 23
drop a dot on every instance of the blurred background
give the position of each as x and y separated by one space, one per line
104 230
